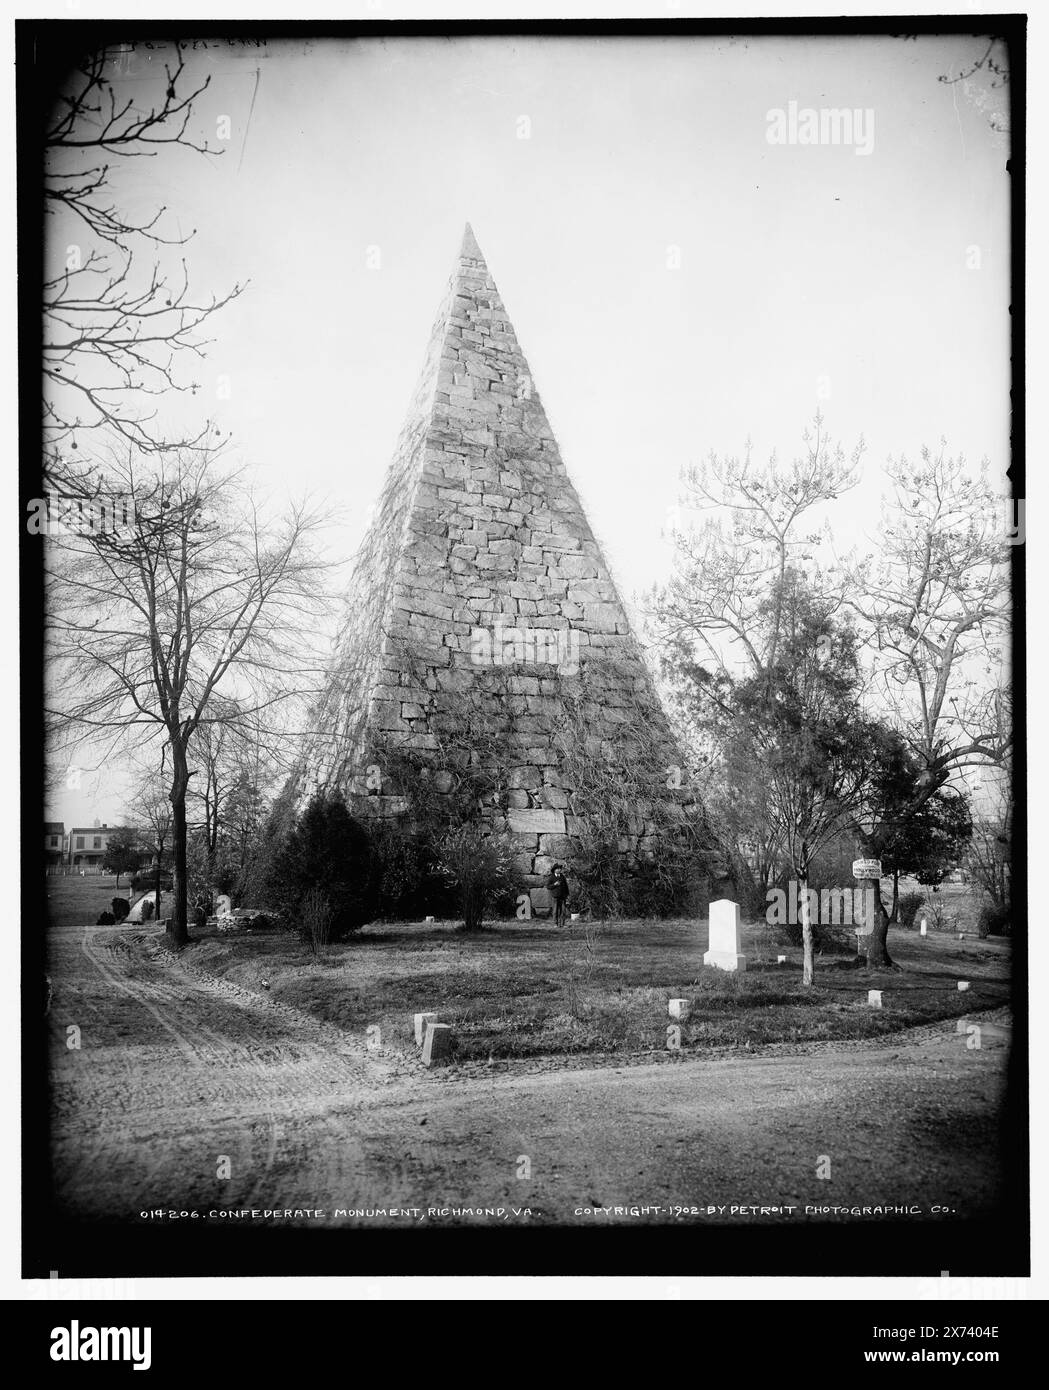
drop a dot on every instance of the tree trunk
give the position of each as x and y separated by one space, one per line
178 930
894 915
156 880
747 881
878 957
806 927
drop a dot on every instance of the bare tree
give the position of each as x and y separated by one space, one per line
713 621
235 760
802 724
934 605
724 571
152 811
197 610
989 860
735 790
990 849
215 776
118 309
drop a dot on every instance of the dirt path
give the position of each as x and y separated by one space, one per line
177 1069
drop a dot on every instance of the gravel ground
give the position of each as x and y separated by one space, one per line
177 1069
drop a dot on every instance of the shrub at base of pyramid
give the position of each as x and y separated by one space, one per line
486 658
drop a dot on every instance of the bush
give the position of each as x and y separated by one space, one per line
752 896
658 888
669 884
831 937
996 919
907 908
327 853
408 880
257 884
827 940
315 919
478 865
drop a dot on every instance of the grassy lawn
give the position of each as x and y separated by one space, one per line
520 990
73 901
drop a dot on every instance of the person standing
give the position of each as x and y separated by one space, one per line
557 886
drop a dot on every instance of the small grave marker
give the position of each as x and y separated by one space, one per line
874 998
680 1009
422 1022
437 1044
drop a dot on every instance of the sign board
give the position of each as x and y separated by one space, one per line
866 868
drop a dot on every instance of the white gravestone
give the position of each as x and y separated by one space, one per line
422 1022
963 984
874 998
725 937
924 928
680 1009
223 905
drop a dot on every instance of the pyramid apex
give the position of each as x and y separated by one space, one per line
469 250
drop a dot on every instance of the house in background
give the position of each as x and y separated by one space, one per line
85 847
54 841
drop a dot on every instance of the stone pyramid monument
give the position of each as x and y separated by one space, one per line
483 633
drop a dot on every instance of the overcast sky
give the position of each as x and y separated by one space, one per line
872 285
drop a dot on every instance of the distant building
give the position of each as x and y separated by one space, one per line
54 841
85 847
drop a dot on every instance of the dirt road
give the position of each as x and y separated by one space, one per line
190 1093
